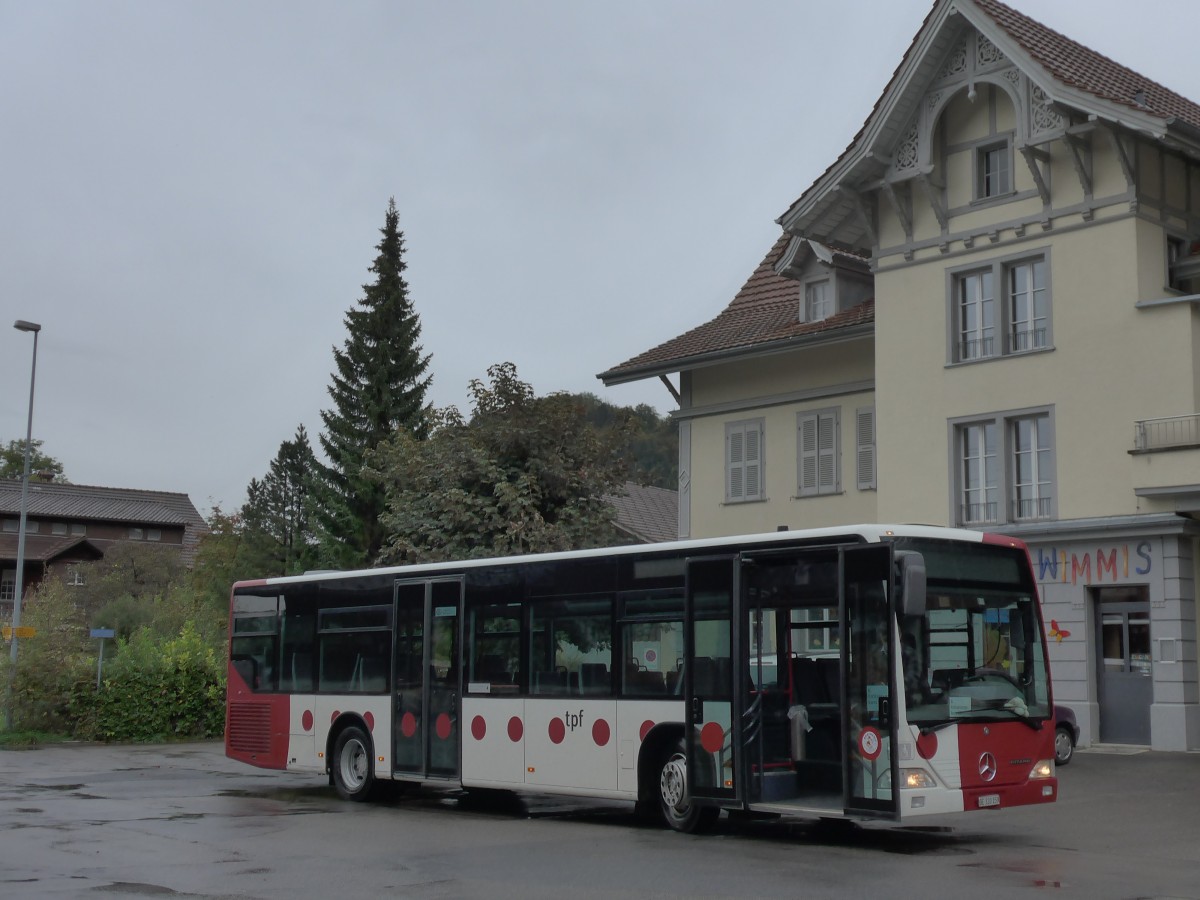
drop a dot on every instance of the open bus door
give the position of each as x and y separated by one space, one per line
869 761
713 730
427 733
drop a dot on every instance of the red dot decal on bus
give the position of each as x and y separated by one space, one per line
333 718
601 732
557 730
927 745
370 720
515 729
712 737
443 726
408 725
307 720
478 728
645 730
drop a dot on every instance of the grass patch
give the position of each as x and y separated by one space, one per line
27 740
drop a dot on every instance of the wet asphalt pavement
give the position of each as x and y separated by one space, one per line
180 820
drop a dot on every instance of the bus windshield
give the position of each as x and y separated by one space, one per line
977 653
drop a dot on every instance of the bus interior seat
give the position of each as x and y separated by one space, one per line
301 670
553 681
491 667
372 677
593 678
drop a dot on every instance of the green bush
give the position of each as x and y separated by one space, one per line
156 690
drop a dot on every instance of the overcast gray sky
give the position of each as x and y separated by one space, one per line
191 192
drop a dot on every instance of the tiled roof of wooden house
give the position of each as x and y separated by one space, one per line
79 502
46 548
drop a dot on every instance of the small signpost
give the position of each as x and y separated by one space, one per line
23 631
102 634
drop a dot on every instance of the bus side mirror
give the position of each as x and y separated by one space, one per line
911 571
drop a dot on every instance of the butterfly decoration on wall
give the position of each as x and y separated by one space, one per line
1057 633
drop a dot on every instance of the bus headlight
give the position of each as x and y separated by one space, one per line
1043 769
917 778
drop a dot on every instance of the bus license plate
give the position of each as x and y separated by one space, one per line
989 800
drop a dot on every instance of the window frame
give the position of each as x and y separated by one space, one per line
745 465
1006 491
819 486
1000 338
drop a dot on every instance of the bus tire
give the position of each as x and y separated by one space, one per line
353 768
674 801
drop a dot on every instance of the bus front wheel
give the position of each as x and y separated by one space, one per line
678 810
353 772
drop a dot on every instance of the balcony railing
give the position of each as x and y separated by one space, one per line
975 348
980 513
1163 434
1031 508
1022 341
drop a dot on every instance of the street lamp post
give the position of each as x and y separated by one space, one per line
19 583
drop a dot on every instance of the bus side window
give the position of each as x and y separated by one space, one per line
247 669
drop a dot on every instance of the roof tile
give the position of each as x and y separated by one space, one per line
766 309
1080 67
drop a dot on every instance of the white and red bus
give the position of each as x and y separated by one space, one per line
862 672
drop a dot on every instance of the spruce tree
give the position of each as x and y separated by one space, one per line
275 519
378 389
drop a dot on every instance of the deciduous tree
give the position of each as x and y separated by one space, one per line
12 461
526 474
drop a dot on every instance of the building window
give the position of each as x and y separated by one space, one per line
1022 315
864 448
12 525
1028 307
993 165
1031 467
136 534
58 528
1005 468
744 461
75 577
818 440
818 301
976 316
8 585
980 474
1183 264
78 529
154 534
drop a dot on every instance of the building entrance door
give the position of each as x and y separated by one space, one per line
1126 676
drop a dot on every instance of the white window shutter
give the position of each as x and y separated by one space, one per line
753 461
737 463
827 454
808 455
864 440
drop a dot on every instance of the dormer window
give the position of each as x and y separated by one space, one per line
818 300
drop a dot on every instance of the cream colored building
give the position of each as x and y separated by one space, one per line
984 313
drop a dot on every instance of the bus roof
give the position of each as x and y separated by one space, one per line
869 533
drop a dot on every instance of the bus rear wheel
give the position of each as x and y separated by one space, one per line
674 801
353 772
